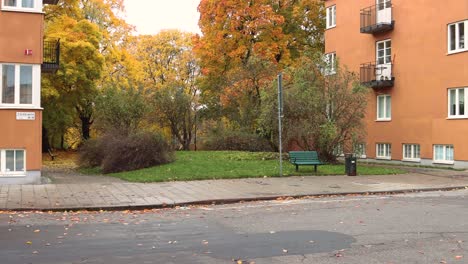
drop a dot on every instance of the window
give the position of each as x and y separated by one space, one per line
330 61
360 150
338 151
22 5
382 4
456 101
12 162
19 84
384 107
384 151
457 37
411 152
384 52
331 17
443 154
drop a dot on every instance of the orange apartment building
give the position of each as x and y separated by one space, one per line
413 55
24 56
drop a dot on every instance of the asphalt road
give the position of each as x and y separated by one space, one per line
415 228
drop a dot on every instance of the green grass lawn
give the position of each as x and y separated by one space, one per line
205 165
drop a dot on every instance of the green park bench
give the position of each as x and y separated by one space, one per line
305 158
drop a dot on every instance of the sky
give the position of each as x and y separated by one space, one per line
152 16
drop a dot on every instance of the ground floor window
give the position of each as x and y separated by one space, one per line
384 151
443 154
12 161
20 85
411 152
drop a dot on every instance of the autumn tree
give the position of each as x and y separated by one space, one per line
171 72
120 111
110 63
245 43
321 112
81 67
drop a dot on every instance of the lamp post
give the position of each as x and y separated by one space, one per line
195 131
280 116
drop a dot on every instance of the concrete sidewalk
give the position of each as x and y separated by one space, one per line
116 195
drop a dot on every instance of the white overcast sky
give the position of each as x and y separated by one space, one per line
151 16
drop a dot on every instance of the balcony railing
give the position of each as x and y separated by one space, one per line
51 61
377 19
50 2
377 75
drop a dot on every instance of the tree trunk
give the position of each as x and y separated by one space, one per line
186 145
45 140
62 141
85 126
85 113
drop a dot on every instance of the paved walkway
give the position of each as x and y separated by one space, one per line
118 195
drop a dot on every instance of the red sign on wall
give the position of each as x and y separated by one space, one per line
28 52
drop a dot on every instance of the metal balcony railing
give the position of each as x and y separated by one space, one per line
51 60
50 2
377 19
377 75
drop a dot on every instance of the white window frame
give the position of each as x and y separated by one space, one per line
457 37
387 149
386 116
362 153
387 51
36 87
3 171
330 63
411 156
444 160
457 114
37 7
339 150
331 23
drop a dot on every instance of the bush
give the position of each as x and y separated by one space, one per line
91 153
237 141
116 153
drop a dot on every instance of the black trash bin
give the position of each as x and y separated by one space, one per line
350 164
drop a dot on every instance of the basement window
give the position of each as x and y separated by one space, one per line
384 151
12 162
443 154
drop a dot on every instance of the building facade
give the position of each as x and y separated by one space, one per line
413 56
24 56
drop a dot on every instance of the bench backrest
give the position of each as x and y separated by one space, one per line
303 155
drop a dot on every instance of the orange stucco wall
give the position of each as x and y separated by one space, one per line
18 32
423 72
26 135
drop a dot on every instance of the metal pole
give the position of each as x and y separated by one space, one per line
195 139
280 116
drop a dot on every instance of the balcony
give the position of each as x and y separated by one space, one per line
377 76
50 2
51 61
377 19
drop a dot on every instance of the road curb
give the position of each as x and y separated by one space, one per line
233 200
